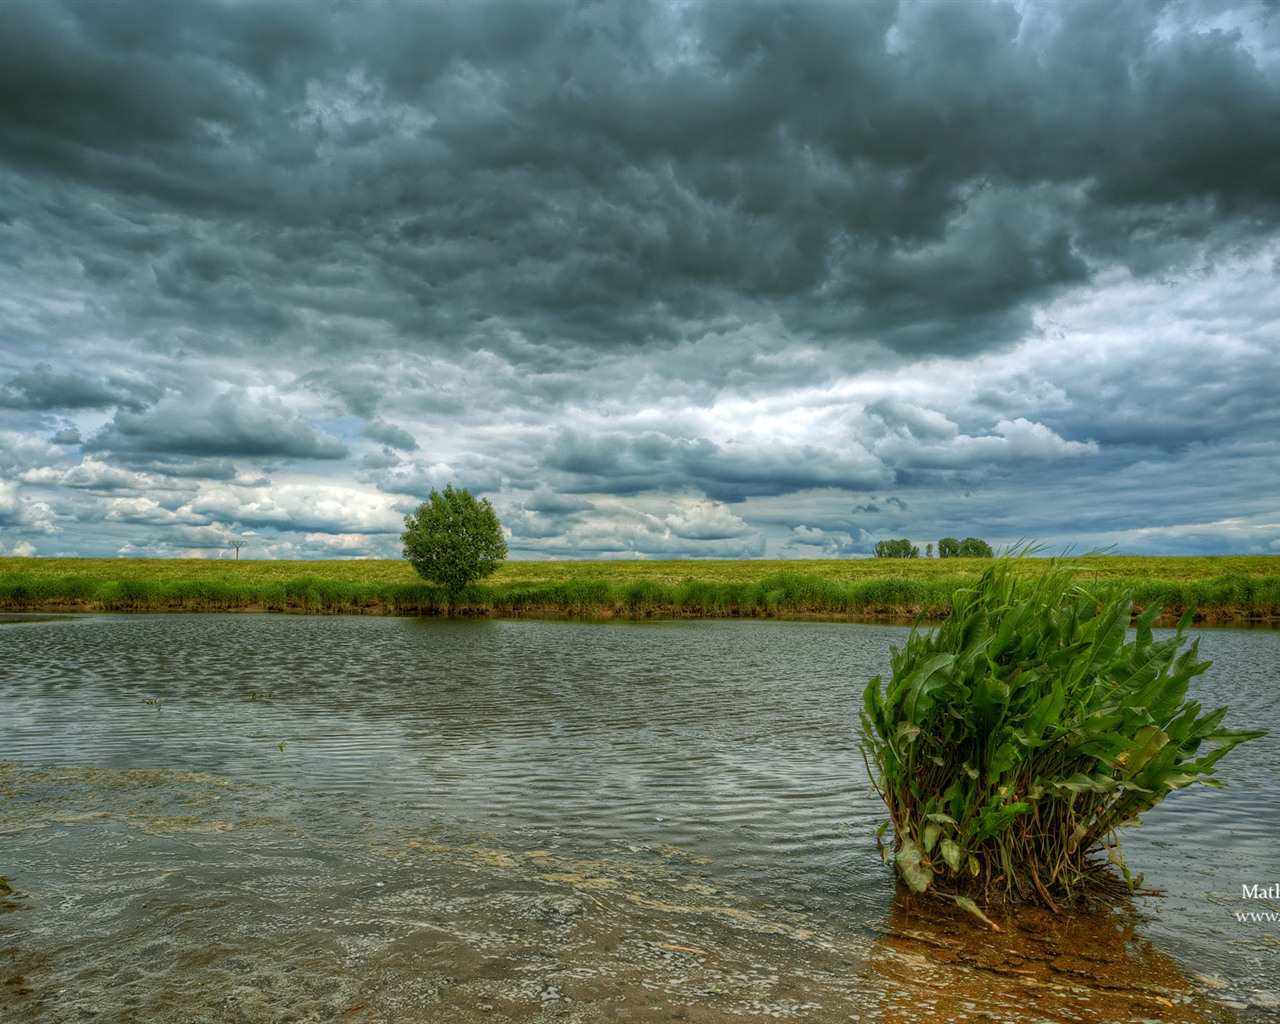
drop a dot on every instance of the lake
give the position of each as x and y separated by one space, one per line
268 818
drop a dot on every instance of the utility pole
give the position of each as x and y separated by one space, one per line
238 544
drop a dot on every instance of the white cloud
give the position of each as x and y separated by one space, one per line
92 474
706 520
1254 535
1010 442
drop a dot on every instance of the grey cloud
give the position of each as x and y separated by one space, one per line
920 423
1175 401
680 530
224 426
815 542
544 516
625 463
531 530
400 388
390 435
480 474
298 509
152 513
44 388
556 504
189 468
90 474
873 508
10 504
628 174
483 230
20 452
376 461
921 440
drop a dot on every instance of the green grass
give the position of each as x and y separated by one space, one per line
1013 741
1227 588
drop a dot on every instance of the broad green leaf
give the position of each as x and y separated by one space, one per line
915 872
1081 783
1146 744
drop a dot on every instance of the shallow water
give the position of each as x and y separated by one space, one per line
258 818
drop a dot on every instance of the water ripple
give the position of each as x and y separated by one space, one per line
730 745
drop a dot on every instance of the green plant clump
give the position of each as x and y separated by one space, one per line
1017 737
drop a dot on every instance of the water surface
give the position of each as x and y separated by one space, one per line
272 818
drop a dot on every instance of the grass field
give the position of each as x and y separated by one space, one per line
1226 588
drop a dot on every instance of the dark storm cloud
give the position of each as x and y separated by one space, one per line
43 388
624 173
390 435
556 504
925 265
1181 400
625 462
226 426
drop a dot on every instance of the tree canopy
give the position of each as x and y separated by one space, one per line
896 549
970 547
453 539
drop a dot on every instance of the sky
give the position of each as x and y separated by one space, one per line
659 280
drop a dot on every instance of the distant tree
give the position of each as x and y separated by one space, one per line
970 547
928 551
896 549
453 539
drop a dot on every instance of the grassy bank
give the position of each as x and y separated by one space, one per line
1224 589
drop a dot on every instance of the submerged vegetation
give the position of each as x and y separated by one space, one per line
1223 589
1014 740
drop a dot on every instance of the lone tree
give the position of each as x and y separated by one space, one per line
453 539
896 549
970 547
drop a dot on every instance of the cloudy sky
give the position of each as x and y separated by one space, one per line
659 279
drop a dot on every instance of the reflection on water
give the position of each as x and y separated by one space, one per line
381 819
1091 969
